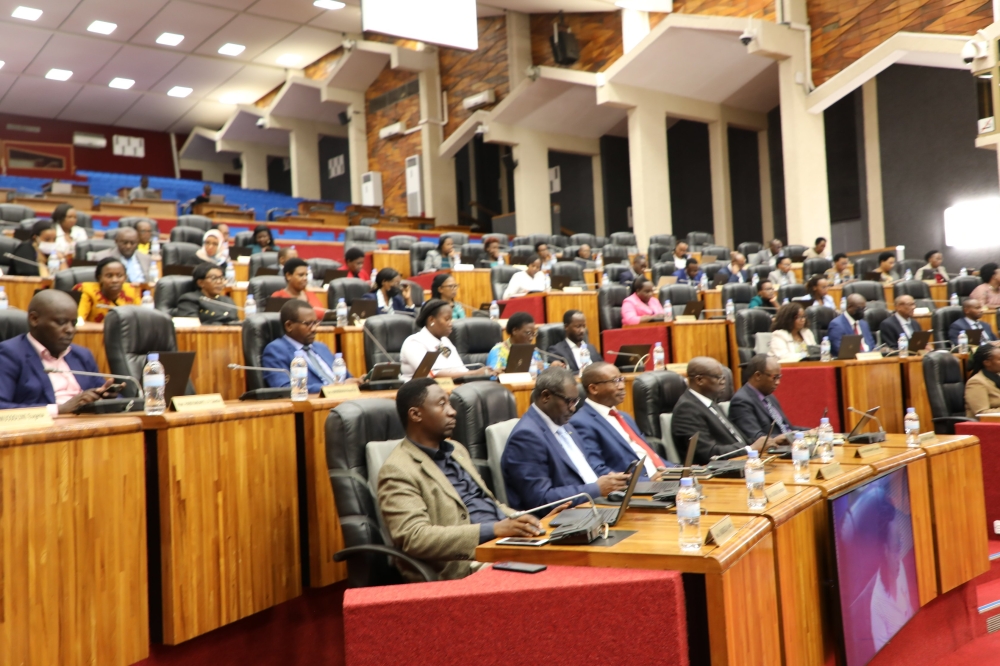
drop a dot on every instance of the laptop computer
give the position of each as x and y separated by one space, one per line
720 279
274 304
237 251
559 282
362 308
519 358
666 280
609 515
850 345
333 274
919 340
266 270
217 198
863 420
177 368
694 308
975 336
426 364
668 488
628 355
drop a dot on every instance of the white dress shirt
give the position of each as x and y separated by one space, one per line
66 243
784 345
582 361
521 283
569 445
680 262
639 452
907 325
417 345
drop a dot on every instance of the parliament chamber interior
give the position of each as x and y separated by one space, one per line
503 331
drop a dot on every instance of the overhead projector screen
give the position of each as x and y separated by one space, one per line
445 22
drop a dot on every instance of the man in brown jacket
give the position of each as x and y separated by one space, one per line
435 504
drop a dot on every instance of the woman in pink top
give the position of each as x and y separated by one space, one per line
642 306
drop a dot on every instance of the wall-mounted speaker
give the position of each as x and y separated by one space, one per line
237 163
344 117
565 47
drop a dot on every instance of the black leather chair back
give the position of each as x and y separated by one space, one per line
748 324
679 295
614 254
195 221
654 393
258 331
180 254
614 271
942 319
391 331
915 288
625 239
499 277
534 239
88 247
480 404
818 318
945 388
748 248
262 286
875 315
963 286
658 270
700 239
169 290
762 271
130 333
133 220
418 252
547 335
67 279
518 240
243 239
519 254
871 290
349 428
570 269
319 266
864 265
402 242
795 250
913 265
364 246
459 238
262 260
181 234
569 252
815 266
664 239
656 251
584 239
740 293
791 292
346 288
504 240
711 269
471 254
12 323
558 240
359 233
719 251
416 292
474 337
84 220
8 244
609 305
15 212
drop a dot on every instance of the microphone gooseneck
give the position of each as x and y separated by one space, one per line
22 260
237 366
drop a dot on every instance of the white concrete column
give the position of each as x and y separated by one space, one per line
647 146
600 225
254 175
356 133
531 188
303 154
722 200
440 194
518 47
873 164
635 27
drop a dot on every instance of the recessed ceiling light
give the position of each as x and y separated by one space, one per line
329 4
289 60
59 74
179 91
102 27
170 39
232 49
2 63
121 84
27 13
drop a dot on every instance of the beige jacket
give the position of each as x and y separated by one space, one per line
424 513
981 395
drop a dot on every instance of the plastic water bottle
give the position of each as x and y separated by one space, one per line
911 425
494 311
688 503
824 441
659 361
533 370
730 310
800 457
585 359
604 278
753 471
784 302
341 313
668 310
824 350
836 279
339 369
374 275
548 282
954 299
154 272
147 300
154 383
4 303
963 343
54 263
908 275
703 284
299 371
230 273
599 264
843 303
963 272
250 307
903 345
154 246
755 280
309 277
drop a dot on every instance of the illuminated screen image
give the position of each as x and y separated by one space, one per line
876 565
445 22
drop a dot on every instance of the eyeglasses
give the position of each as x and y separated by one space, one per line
620 379
570 402
215 278
310 324
776 377
449 286
717 378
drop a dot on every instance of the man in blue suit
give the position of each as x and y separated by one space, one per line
973 320
48 346
734 271
851 322
544 459
298 319
691 274
612 434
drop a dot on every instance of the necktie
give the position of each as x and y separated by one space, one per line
729 426
857 331
576 456
639 441
316 365
775 416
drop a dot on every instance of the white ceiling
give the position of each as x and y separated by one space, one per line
542 107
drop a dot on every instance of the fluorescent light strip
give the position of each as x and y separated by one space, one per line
59 74
27 13
170 39
179 91
102 27
121 84
329 4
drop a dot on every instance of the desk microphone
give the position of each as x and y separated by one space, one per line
560 502
237 366
735 453
641 361
867 437
388 359
23 260
83 373
550 355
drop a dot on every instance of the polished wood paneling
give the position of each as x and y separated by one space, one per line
73 579
558 303
91 336
351 341
712 299
699 338
923 531
228 508
866 384
915 390
215 347
474 288
20 290
398 259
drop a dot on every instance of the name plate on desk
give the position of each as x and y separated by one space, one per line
868 450
775 491
827 472
341 391
199 403
29 417
186 322
868 356
446 383
721 532
678 368
683 319
462 268
514 378
928 436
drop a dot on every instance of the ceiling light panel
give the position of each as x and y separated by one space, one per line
180 91
302 11
53 12
121 84
84 55
129 16
331 5
344 20
196 22
27 13
230 49
57 74
257 33
102 27
170 39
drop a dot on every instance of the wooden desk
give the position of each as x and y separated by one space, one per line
866 384
397 259
207 207
83 202
21 289
708 337
474 287
351 342
915 389
121 210
227 500
74 579
712 299
75 188
158 207
557 303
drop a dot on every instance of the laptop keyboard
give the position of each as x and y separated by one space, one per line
657 487
575 515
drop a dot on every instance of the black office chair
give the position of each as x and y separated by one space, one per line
243 239
711 268
656 251
12 323
913 265
871 290
192 235
863 265
416 293
791 292
584 239
459 238
942 319
133 220
418 253
818 318
471 254
85 250
169 290
261 288
748 324
613 254
963 286
557 240
130 333
67 279
762 271
402 242
320 265
569 253
534 239
364 246
518 240
815 266
654 393
346 288
572 270
625 239
613 271
658 270
474 337
15 212
679 294
520 254
360 233
196 222
875 315
180 254
748 248
349 428
609 305
699 239
499 277
945 391
919 290
262 260
721 252
480 404
259 330
7 245
664 239
795 251
391 332
740 293
547 335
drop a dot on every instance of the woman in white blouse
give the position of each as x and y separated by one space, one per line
529 280
67 233
789 335
434 327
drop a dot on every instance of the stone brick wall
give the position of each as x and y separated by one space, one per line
465 73
599 35
389 156
845 30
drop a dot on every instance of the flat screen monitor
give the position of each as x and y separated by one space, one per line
876 571
445 22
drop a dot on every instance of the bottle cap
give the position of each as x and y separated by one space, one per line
337 356
753 454
341 301
300 354
800 435
911 410
152 357
824 421
686 482
145 292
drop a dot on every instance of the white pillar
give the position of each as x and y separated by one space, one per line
647 146
722 200
531 188
873 165
440 194
635 26
254 176
303 154
600 224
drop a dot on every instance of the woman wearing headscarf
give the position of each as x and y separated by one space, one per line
211 249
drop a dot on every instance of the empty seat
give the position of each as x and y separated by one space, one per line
872 291
180 254
499 277
181 234
390 331
720 251
748 248
570 269
195 221
474 337
609 305
347 288
262 260
359 233
815 266
402 242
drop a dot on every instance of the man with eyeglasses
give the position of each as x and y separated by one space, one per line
606 430
754 406
298 320
697 411
545 460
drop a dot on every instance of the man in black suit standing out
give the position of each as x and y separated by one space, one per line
572 348
754 406
901 322
697 411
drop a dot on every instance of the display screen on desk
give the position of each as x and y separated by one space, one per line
876 566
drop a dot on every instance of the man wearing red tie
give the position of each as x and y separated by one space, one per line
610 434
851 322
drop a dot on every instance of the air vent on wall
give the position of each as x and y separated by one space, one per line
14 127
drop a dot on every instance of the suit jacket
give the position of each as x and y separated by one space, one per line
23 381
748 414
397 301
839 327
890 329
981 395
25 250
561 348
764 257
536 469
279 354
608 449
191 305
425 514
683 277
144 259
692 416
962 325
733 277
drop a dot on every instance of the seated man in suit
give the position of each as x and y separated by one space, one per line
544 460
577 351
973 311
612 434
434 503
697 411
735 270
298 320
901 322
126 248
851 322
691 274
771 254
637 268
47 345
754 406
